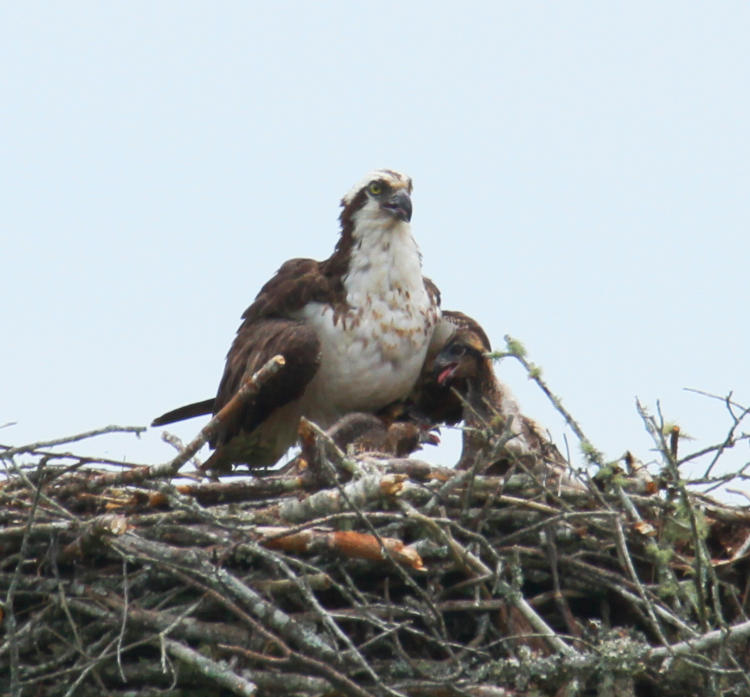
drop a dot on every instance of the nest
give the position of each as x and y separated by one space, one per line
365 575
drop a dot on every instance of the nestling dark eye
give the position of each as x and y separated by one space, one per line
457 350
375 188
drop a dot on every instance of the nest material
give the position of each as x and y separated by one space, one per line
365 576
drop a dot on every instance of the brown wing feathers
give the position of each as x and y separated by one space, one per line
256 343
296 283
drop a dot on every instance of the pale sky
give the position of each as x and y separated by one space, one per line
581 177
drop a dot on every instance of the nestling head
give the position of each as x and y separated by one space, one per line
462 358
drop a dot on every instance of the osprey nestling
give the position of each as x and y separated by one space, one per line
354 330
459 383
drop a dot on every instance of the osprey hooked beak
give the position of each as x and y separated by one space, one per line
398 204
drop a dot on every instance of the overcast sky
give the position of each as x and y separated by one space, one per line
581 170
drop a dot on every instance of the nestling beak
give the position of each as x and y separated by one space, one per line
446 366
445 373
398 204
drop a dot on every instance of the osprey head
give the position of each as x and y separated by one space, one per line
383 196
463 356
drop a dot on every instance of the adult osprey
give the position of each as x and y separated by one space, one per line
354 330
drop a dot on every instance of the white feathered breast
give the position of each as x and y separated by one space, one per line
372 354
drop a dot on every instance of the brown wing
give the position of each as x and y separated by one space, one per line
296 283
256 342
267 329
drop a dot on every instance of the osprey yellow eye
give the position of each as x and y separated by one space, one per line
375 188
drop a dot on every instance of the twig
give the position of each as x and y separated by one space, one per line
730 438
32 447
708 640
534 374
215 672
657 432
123 623
622 547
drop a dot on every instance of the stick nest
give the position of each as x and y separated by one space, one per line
367 575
